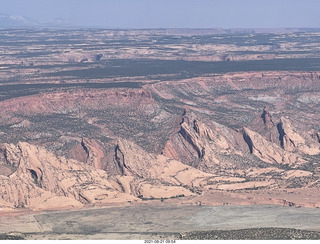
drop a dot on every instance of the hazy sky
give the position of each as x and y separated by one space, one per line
171 13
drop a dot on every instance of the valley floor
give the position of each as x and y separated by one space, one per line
165 221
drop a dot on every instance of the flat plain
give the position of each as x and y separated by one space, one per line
158 222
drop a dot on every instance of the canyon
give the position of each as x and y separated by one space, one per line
89 146
95 118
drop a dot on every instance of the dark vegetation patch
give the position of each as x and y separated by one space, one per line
10 237
252 234
19 90
140 126
130 67
63 123
160 198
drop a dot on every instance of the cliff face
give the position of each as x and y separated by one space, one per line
198 145
292 141
64 102
268 151
43 181
224 135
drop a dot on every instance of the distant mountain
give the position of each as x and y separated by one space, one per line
16 21
8 21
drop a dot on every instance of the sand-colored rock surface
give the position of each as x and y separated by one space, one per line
293 141
44 181
128 173
267 151
177 141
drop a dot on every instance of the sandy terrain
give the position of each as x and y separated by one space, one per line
151 221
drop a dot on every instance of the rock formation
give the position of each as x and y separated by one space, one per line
129 145
267 151
42 180
267 118
293 141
